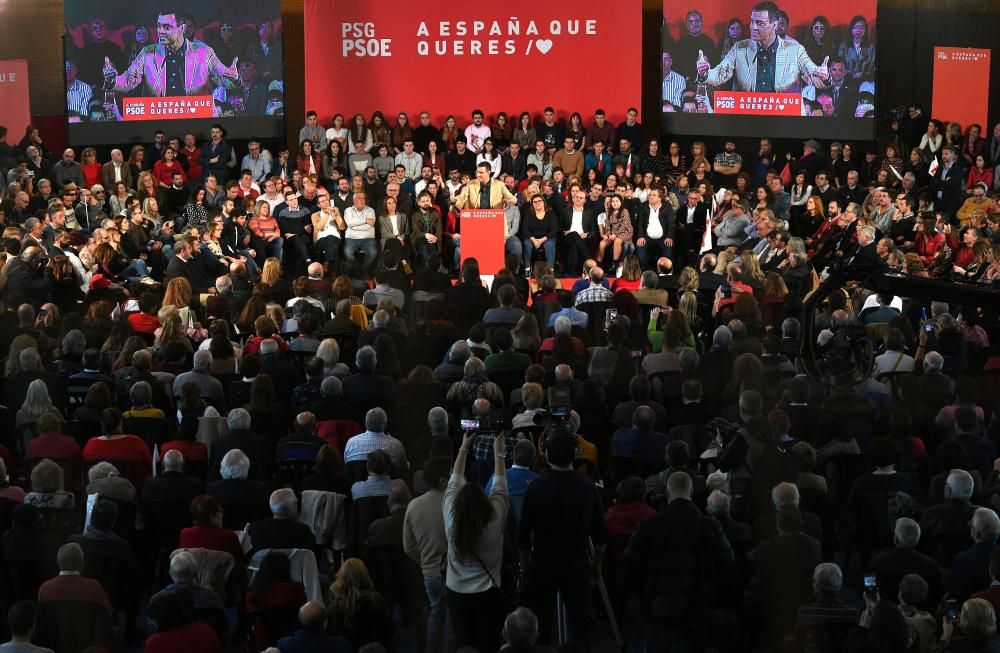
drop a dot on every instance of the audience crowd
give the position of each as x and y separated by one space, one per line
262 402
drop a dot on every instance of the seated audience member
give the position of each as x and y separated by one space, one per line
241 498
47 489
207 531
378 482
312 637
21 622
176 628
281 531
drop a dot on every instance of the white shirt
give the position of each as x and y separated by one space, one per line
654 229
330 229
118 170
340 134
690 213
476 135
357 225
576 224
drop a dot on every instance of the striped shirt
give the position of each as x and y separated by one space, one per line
673 87
78 97
265 227
375 486
361 445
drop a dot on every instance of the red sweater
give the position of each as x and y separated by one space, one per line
192 638
130 448
143 323
210 537
53 445
194 451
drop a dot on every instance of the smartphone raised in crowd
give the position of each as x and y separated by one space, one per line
470 424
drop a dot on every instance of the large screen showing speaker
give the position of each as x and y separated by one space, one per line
131 65
795 68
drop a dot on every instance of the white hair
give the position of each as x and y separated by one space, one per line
562 325
103 469
183 567
828 577
986 523
933 361
202 359
238 418
722 336
331 387
284 504
437 419
718 503
235 466
381 319
960 484
907 532
785 494
268 346
366 359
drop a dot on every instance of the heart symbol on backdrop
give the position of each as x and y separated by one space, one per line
192 110
543 45
781 107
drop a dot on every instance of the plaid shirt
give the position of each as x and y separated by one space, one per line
363 444
374 486
594 293
482 448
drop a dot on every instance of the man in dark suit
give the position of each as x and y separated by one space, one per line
341 324
970 568
654 228
865 258
366 388
239 437
889 567
945 526
690 225
786 494
331 404
172 483
708 280
184 264
469 293
282 372
579 230
948 183
640 442
282 531
853 191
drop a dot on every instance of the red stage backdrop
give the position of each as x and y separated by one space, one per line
15 107
961 86
448 58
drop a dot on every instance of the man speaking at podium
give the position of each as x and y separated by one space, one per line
765 63
487 193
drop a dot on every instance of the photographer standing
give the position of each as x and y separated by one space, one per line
29 279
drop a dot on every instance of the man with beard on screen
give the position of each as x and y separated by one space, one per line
174 66
765 62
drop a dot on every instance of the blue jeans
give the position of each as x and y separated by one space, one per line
440 636
550 252
368 247
135 271
276 248
652 250
513 246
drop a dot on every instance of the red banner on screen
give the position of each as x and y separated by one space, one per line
961 85
15 107
167 108
758 104
451 59
483 238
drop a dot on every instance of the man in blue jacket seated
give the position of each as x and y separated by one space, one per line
520 474
640 442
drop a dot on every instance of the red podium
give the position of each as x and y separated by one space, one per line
483 233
